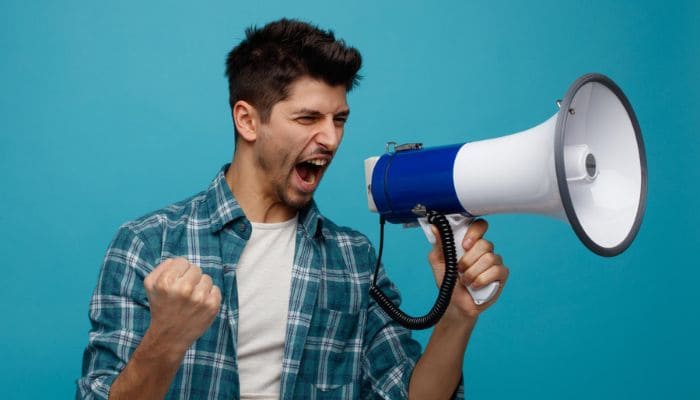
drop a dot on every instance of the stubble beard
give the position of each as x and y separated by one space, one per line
282 184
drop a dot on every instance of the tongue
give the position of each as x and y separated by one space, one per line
305 172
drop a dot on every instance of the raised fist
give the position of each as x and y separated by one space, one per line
183 300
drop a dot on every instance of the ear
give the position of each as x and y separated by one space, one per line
246 119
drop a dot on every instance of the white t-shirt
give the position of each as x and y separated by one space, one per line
264 275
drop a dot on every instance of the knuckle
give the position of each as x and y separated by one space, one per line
463 265
185 289
490 258
206 280
486 245
468 275
498 259
213 303
197 298
160 285
180 261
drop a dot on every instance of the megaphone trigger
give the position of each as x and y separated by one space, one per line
460 224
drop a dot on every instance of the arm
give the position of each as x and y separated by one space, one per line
184 302
438 371
132 321
149 372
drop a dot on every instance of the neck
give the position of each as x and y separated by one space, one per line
257 202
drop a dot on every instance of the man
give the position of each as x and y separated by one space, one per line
245 290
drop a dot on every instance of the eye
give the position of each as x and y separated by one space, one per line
340 121
306 119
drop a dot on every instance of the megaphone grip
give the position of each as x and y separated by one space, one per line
483 294
459 225
448 281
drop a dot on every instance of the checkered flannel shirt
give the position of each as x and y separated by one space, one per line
338 344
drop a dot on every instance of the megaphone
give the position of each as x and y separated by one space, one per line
585 165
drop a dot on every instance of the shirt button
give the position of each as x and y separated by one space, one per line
241 227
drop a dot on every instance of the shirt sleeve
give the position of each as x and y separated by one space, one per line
390 353
119 314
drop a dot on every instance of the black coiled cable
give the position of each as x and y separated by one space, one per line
446 288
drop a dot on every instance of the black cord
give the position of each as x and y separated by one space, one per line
446 288
381 249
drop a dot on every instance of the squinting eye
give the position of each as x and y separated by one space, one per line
341 121
306 120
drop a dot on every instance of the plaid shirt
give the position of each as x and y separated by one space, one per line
338 344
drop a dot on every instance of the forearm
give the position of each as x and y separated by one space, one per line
438 371
149 372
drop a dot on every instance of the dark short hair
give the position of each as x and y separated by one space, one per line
263 66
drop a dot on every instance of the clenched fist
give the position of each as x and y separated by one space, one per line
183 300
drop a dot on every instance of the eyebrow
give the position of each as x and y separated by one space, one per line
308 111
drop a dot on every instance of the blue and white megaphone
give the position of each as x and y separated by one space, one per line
585 165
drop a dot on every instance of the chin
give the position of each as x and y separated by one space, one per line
298 201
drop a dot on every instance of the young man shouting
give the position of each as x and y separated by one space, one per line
246 290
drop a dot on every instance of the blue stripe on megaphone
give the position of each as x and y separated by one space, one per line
403 179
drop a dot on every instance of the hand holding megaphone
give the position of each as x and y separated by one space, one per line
460 225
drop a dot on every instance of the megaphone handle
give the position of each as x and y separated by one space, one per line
459 224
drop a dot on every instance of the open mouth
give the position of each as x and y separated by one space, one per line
310 170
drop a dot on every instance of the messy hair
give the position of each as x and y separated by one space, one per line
262 67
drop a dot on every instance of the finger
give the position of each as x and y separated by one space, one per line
185 284
482 264
152 277
174 270
202 289
481 247
165 273
495 273
476 231
214 299
191 275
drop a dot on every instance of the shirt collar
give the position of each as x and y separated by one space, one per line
223 207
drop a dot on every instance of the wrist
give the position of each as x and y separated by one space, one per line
156 346
457 318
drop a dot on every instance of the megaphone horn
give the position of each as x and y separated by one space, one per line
586 165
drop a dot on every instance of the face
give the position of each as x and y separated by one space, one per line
295 147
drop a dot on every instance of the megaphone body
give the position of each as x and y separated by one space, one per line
585 165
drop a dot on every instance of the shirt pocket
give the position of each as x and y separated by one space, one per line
333 349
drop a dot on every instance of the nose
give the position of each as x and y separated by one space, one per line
329 134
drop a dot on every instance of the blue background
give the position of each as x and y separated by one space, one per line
112 109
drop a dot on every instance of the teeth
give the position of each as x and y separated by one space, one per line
318 162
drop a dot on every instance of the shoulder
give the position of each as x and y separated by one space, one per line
151 230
